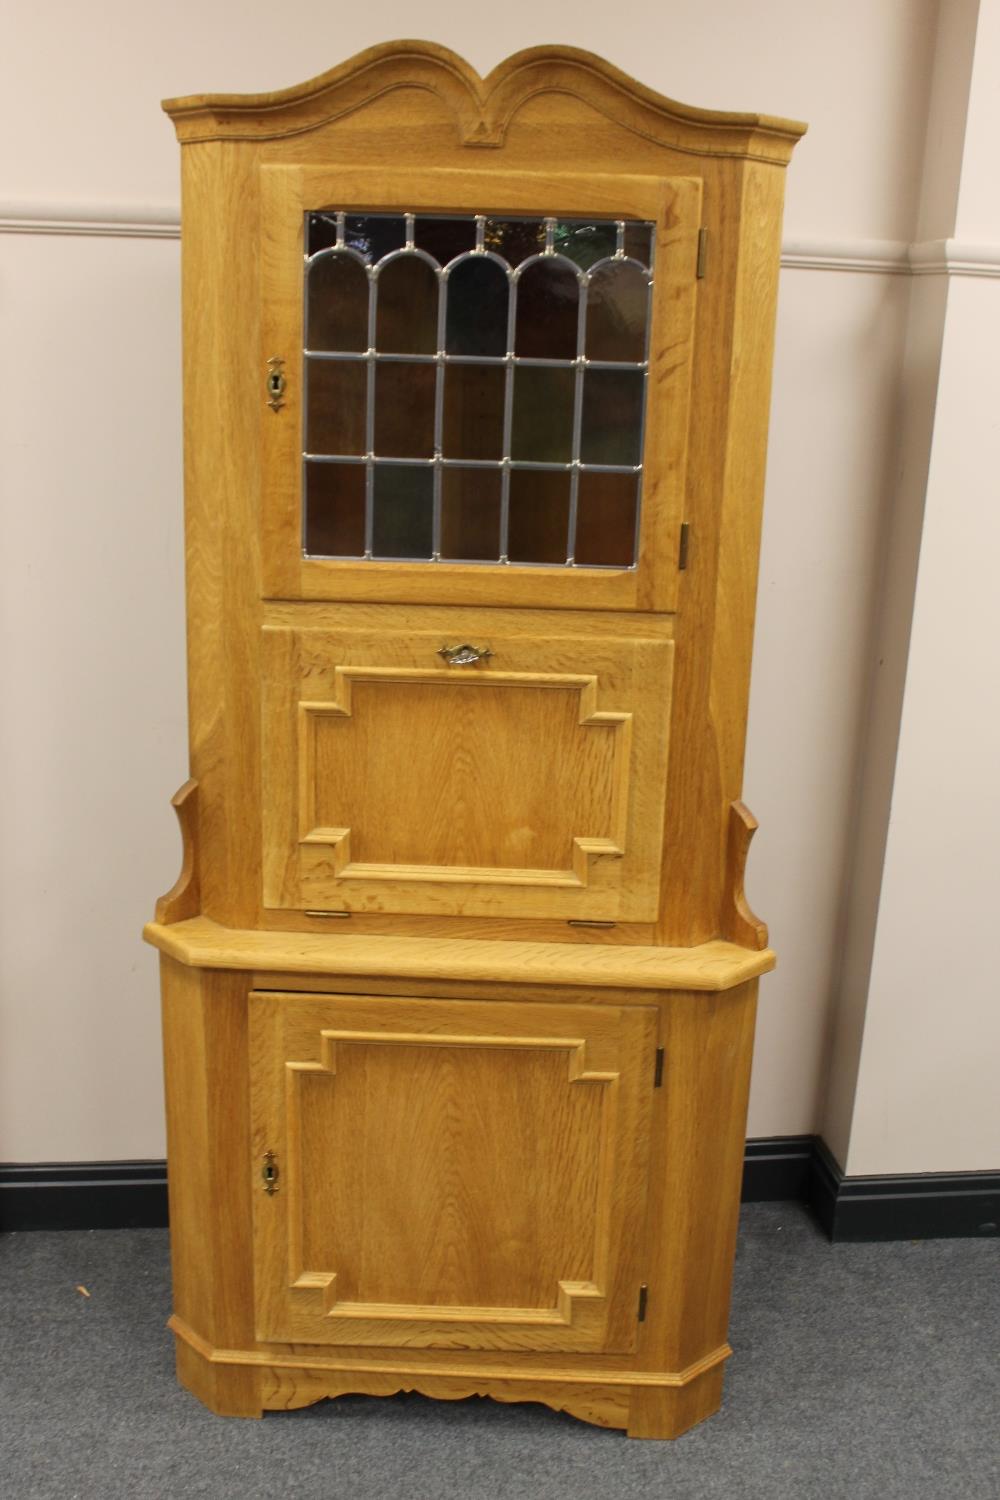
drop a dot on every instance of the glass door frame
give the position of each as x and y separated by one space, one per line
673 204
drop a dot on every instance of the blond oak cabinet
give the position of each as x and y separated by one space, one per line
459 976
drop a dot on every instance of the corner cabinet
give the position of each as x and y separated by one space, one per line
458 975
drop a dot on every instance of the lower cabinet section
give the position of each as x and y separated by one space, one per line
449 1174
519 1191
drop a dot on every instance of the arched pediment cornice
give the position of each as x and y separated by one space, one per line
482 107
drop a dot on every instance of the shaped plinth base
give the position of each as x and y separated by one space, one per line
236 1383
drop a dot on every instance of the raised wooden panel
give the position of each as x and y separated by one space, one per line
451 1174
527 784
672 203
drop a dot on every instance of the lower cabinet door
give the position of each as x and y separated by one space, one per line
449 1173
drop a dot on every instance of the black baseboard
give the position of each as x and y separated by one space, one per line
84 1195
958 1205
777 1169
920 1206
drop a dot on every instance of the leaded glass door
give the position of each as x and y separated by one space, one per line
476 406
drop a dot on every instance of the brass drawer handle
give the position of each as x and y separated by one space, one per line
464 656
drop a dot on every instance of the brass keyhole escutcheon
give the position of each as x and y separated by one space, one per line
269 1172
276 383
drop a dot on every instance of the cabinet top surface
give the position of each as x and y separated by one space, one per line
483 107
712 966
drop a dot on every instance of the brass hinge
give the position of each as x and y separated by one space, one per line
682 547
699 266
643 1294
658 1069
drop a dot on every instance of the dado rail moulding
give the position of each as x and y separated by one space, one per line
801 253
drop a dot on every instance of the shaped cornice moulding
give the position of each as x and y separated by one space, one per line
483 107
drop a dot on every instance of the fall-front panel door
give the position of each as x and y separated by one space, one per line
449 1174
489 763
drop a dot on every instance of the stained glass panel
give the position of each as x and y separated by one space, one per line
470 514
458 432
404 511
335 510
548 310
477 302
407 307
539 516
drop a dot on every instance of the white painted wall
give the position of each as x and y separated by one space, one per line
925 1038
92 697
927 1089
91 655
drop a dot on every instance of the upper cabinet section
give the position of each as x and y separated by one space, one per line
470 308
480 385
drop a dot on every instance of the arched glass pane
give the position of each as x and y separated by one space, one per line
337 309
406 307
478 294
548 300
617 300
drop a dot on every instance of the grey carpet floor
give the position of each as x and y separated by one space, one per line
860 1371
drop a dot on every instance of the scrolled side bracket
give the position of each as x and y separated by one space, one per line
739 923
183 899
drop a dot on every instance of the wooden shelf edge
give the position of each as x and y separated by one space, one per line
202 943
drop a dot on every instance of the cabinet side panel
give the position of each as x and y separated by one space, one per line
208 1148
732 374
222 391
695 1175
746 458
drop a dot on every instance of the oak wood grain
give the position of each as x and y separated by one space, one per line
479 1014
656 1404
739 924
495 1184
482 107
184 897
711 966
529 785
